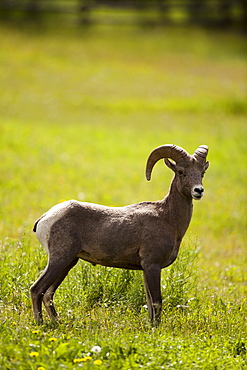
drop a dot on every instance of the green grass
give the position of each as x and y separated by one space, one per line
79 114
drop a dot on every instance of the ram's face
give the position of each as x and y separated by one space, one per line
189 177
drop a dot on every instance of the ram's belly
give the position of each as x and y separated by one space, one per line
112 258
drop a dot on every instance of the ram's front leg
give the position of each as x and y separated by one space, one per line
151 275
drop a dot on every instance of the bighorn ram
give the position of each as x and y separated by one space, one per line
144 236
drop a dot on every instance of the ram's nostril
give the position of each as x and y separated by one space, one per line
199 190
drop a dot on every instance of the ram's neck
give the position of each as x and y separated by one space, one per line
179 208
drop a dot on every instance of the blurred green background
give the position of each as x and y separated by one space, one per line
92 103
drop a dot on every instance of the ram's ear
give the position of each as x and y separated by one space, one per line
206 165
170 164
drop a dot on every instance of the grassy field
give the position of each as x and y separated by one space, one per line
80 111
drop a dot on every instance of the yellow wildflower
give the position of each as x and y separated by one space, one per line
34 354
97 362
35 331
41 368
78 360
53 339
87 358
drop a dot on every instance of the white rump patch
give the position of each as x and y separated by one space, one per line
49 218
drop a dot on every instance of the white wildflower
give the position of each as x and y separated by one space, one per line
96 349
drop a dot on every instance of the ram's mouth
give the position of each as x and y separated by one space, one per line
196 197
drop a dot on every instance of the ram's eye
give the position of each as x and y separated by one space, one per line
181 173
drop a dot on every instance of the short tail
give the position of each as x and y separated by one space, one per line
36 224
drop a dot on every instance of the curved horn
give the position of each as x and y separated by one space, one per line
165 151
201 153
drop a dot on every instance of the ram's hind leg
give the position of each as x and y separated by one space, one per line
51 276
39 288
48 296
